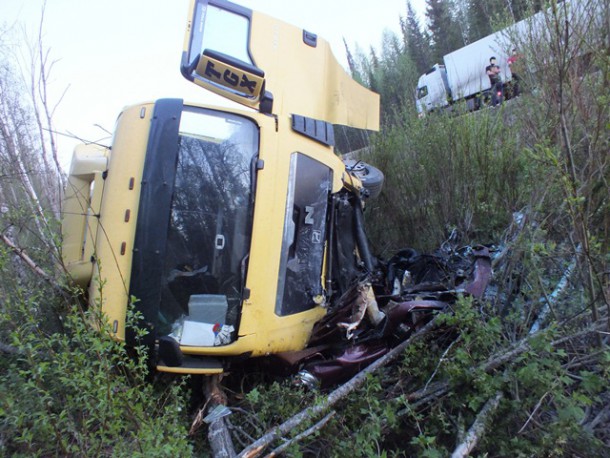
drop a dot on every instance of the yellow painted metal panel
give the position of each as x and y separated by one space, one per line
308 80
115 237
303 76
260 331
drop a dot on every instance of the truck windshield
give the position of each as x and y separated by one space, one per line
210 223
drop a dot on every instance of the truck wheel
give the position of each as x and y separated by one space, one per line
371 177
486 99
477 102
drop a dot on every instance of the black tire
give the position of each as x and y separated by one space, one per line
371 177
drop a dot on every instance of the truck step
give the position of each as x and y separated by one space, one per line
193 365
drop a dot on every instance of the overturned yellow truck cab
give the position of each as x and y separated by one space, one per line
228 230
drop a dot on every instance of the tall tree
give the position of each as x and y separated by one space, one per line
486 16
524 8
372 70
417 42
353 66
460 15
479 19
444 30
30 176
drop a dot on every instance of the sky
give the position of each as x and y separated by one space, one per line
112 53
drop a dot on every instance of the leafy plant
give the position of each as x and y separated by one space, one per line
78 392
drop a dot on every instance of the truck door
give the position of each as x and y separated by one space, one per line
299 284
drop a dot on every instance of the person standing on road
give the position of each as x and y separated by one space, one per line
493 72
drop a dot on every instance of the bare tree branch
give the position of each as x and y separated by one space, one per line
478 428
32 264
219 437
557 292
358 380
8 349
534 410
308 432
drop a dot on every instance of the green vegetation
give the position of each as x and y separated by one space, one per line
532 178
77 392
465 172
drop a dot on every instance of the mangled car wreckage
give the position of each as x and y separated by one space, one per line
239 233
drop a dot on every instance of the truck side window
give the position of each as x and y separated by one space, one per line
422 92
299 283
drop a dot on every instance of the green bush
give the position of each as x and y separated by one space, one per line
444 172
80 393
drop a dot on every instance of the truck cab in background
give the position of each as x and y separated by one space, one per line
433 91
230 231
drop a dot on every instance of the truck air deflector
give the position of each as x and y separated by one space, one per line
153 216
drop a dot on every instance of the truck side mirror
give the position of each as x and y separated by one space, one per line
228 73
216 54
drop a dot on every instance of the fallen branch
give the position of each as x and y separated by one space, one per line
550 301
601 417
26 259
9 349
421 397
477 429
32 264
436 390
220 439
308 432
523 345
219 436
440 361
534 410
355 382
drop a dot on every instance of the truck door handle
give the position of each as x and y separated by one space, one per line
219 243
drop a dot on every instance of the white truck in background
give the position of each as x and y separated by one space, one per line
462 76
